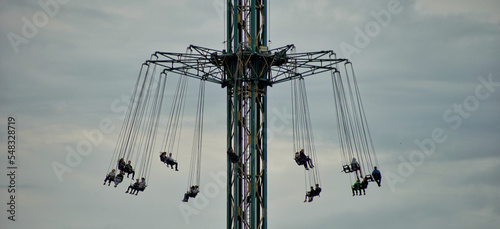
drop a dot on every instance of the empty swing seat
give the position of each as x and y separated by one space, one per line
347 169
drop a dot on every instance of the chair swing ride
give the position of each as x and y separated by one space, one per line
246 68
138 135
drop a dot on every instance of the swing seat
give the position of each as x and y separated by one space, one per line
299 161
347 169
233 159
192 194
128 169
369 178
376 177
170 162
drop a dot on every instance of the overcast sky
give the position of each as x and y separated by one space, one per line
428 72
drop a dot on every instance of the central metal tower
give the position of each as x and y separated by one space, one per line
246 69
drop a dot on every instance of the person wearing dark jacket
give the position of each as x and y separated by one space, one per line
137 186
128 169
302 159
193 191
133 186
231 155
376 175
363 186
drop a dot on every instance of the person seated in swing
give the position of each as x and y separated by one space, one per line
163 157
119 178
376 175
312 193
141 187
302 159
297 158
137 186
231 155
309 195
128 169
121 164
170 161
110 177
193 191
354 165
133 186
356 187
363 185
317 190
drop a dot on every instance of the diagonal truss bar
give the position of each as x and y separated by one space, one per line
305 64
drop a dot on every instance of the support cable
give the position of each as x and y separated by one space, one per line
195 165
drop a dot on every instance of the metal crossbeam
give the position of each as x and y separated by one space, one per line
279 64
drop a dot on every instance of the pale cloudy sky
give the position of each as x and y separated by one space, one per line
428 74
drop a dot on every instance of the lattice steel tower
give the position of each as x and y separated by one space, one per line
246 69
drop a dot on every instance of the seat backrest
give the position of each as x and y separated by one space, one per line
347 169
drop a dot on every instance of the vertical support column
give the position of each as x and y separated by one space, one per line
264 160
229 26
236 24
253 26
247 180
230 136
253 154
237 147
264 22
